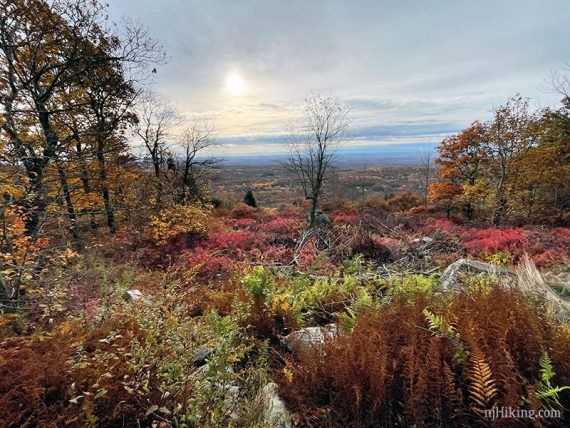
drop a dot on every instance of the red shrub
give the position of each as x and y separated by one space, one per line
549 257
544 246
243 222
233 241
280 226
405 201
343 218
444 226
484 241
394 245
278 254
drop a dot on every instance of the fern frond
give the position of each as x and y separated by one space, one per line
545 391
453 394
483 387
546 369
434 321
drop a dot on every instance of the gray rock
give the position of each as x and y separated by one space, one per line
450 277
322 220
309 336
200 356
275 413
134 295
424 240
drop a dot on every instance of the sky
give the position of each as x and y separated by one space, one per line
410 71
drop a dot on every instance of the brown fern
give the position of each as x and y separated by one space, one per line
452 393
483 387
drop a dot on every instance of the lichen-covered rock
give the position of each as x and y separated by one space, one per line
309 336
132 295
275 413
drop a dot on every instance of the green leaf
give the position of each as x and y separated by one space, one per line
100 394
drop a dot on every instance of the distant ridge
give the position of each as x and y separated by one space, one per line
390 154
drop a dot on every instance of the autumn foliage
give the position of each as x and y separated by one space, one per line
397 369
134 292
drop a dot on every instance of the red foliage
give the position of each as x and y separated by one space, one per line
281 226
485 241
405 201
394 245
343 218
544 246
244 222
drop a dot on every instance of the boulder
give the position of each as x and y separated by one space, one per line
275 414
322 221
449 278
309 336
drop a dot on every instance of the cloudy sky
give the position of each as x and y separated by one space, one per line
409 70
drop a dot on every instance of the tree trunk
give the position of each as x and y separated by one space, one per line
68 202
314 202
85 182
500 200
105 191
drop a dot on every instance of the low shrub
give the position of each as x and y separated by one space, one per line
243 210
372 249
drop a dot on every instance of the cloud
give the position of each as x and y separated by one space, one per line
415 67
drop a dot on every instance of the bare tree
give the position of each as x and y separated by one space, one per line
197 140
560 82
312 146
157 120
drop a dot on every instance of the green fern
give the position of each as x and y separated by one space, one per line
545 391
435 322
437 325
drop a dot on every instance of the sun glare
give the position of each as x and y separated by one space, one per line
235 84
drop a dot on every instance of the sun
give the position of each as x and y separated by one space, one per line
235 84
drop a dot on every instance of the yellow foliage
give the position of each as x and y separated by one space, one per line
179 219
